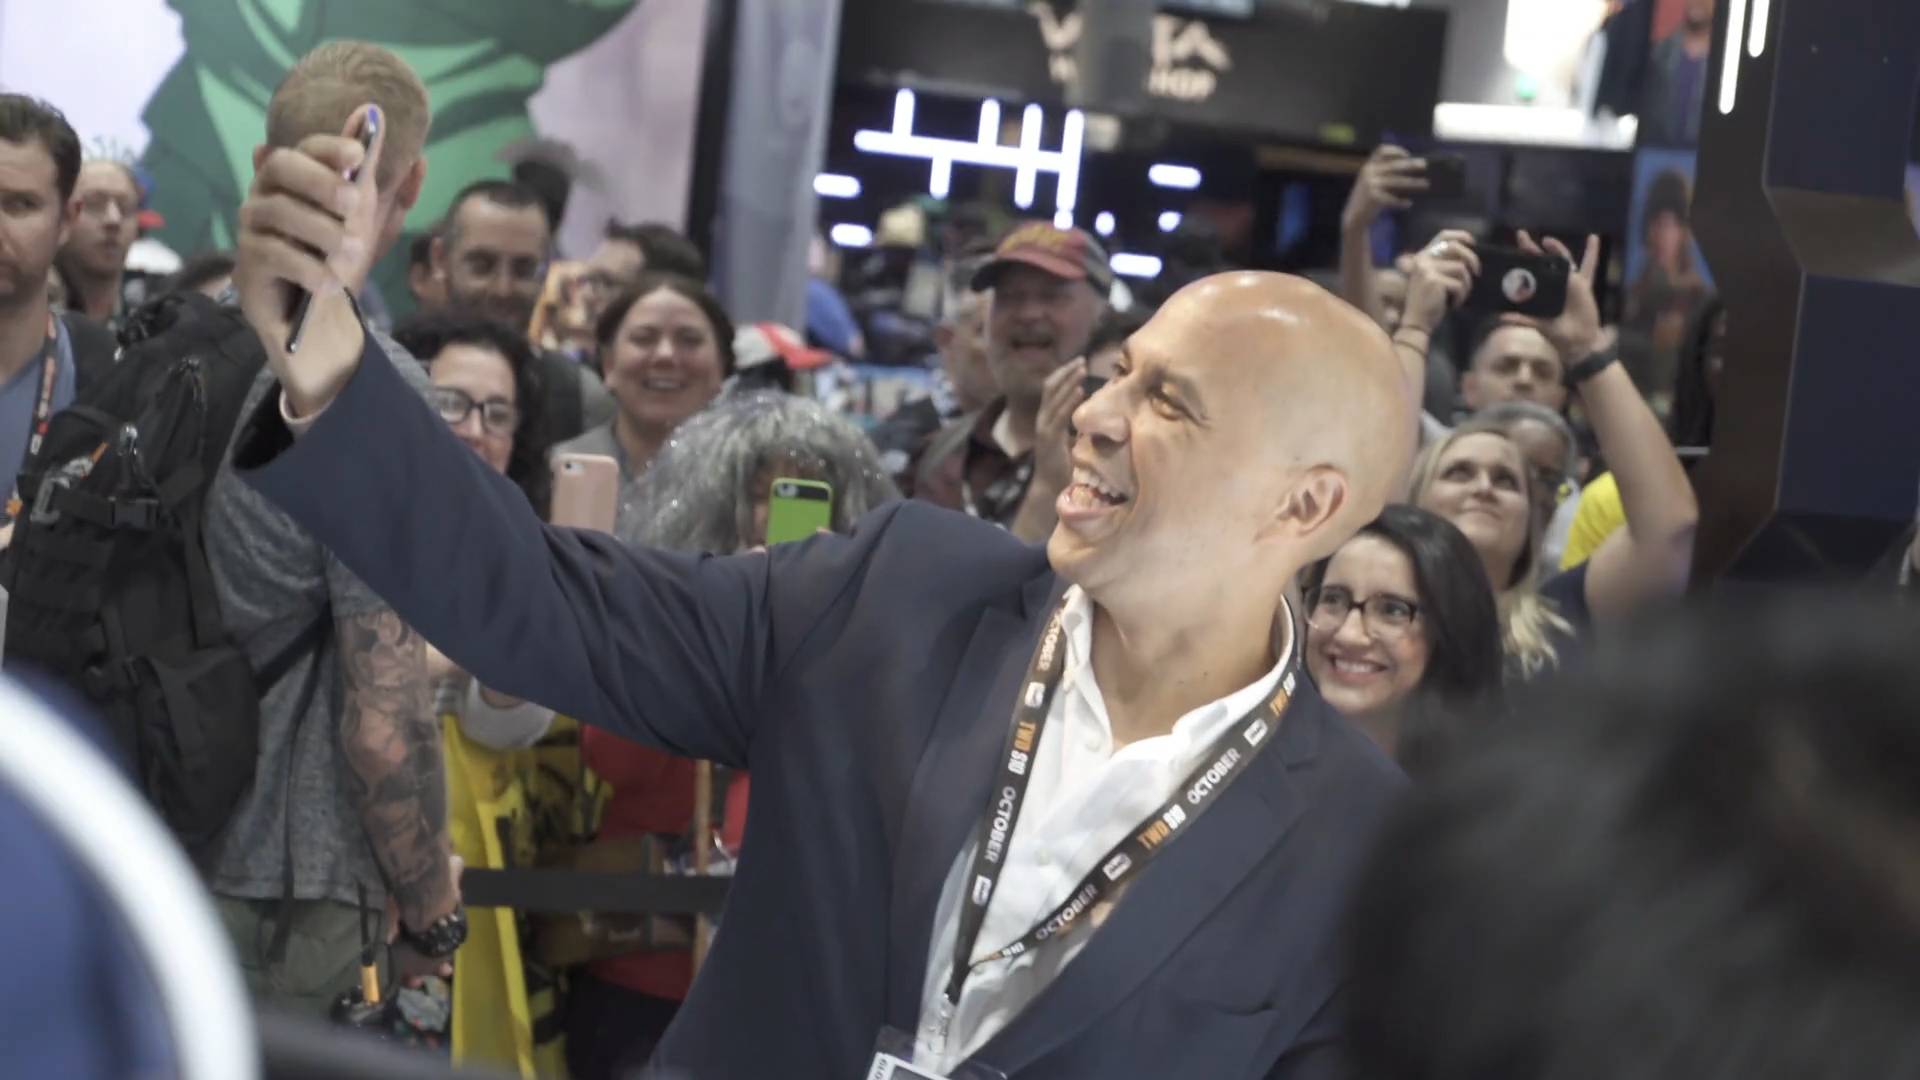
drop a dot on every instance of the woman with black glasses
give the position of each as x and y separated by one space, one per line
485 388
1403 636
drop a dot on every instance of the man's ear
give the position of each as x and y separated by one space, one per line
943 336
1309 505
437 254
408 195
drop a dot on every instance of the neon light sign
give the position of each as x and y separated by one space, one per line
1027 160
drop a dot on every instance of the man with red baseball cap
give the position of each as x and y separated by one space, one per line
1008 463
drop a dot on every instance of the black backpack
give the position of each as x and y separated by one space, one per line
109 589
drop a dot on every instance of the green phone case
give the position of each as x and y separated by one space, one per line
798 509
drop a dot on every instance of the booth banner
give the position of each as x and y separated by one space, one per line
1339 74
608 85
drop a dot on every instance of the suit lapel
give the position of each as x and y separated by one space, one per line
1171 899
950 785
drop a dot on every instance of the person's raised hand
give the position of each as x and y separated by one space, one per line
1441 277
1052 462
307 226
1576 331
1388 181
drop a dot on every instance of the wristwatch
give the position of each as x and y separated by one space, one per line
1586 369
441 937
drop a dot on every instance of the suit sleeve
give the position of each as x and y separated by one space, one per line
1317 1052
667 649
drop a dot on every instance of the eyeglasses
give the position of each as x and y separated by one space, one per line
498 416
1387 617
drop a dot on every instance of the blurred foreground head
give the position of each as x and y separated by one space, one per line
1698 857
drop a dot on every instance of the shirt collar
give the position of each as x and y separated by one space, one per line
1203 724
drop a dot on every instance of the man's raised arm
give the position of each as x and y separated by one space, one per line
668 649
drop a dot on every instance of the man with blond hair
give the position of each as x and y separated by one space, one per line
349 791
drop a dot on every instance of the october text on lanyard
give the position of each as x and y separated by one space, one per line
1226 760
49 374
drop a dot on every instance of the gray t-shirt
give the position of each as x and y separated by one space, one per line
21 393
274 579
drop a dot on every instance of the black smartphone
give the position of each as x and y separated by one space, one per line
302 299
1511 280
1446 176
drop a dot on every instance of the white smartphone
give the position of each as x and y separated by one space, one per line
586 491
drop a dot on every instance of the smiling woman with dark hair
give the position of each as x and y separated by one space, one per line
665 348
1403 636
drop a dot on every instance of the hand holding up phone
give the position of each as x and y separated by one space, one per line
1441 277
1388 181
310 223
1574 328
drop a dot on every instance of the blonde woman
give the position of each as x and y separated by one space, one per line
1477 478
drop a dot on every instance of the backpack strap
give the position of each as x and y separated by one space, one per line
53 500
275 669
93 350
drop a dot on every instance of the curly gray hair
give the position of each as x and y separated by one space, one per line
698 495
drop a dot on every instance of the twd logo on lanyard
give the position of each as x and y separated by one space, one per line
1187 58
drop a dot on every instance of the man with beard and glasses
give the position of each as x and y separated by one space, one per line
1153 889
44 360
491 256
1007 463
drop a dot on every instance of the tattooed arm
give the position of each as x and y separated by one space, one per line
392 744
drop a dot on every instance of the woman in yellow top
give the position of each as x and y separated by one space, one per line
1600 513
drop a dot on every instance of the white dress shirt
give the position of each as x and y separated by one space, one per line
1082 798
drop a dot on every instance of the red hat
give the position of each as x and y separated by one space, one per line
1072 254
768 342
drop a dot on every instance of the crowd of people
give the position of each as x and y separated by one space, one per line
1655 853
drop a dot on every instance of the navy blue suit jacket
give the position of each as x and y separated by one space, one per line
868 682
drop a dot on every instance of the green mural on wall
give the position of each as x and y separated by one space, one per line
482 60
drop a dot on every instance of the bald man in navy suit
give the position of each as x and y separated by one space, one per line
1060 813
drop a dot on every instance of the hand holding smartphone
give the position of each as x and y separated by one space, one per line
798 509
1514 281
302 299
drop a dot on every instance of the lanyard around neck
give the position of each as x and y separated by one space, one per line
1226 761
49 375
